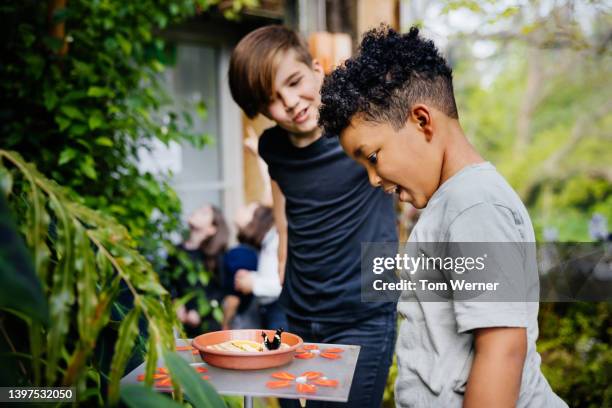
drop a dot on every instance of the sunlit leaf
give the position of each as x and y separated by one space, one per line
72 112
62 290
104 141
67 155
123 349
95 120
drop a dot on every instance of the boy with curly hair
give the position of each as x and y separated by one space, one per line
324 208
394 109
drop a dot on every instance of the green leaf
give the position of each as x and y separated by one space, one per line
199 392
218 314
35 64
63 123
137 396
20 289
86 166
96 91
104 141
151 359
125 45
50 98
157 66
62 291
72 112
95 120
85 263
36 347
78 130
128 331
66 155
202 110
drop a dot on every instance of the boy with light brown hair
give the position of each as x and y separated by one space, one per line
324 208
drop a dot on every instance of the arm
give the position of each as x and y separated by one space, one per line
230 307
280 219
265 281
495 377
250 143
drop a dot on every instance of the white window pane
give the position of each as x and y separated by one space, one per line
194 78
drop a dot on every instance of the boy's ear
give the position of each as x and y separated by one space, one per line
421 116
317 67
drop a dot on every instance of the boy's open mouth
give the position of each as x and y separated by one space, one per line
301 116
403 194
393 190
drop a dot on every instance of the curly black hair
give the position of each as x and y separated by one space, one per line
390 73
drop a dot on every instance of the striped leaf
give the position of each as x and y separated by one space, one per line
199 392
62 290
128 331
152 357
86 285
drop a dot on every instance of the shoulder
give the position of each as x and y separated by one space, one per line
271 142
482 206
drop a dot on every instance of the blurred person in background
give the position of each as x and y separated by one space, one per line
206 244
255 223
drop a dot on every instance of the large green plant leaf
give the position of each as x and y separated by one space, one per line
62 291
20 289
198 392
86 286
128 331
137 396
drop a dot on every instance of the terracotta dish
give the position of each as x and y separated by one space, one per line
245 360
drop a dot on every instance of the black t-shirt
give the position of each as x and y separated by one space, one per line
331 209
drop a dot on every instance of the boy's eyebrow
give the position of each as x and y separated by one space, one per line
291 77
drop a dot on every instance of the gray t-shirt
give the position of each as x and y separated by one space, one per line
435 345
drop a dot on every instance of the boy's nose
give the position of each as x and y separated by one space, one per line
374 178
290 102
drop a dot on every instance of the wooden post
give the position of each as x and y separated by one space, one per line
330 49
57 30
371 13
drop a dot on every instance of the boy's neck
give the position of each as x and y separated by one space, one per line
458 154
305 139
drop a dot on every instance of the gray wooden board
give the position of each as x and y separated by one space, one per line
253 382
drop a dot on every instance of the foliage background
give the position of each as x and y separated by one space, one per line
80 94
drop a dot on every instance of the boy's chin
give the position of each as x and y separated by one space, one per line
417 202
305 130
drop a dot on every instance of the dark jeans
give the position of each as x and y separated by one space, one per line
376 336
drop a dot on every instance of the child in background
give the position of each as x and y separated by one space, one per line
239 310
394 108
256 228
323 208
206 244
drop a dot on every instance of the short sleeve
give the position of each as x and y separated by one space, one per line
263 147
266 151
488 231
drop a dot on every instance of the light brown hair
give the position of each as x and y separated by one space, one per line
216 244
255 231
254 61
